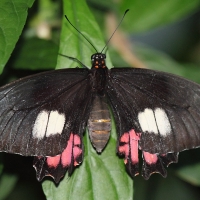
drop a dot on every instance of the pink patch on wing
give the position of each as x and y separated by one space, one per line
124 150
77 151
129 146
150 158
72 151
66 155
134 138
125 138
53 161
77 140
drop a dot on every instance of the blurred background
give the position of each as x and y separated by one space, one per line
156 34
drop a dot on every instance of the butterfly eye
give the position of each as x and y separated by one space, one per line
92 57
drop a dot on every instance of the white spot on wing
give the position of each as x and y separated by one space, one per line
55 124
147 121
40 125
47 124
162 121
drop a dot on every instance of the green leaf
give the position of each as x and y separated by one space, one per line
99 176
158 60
12 19
145 14
158 188
190 173
44 58
7 183
72 43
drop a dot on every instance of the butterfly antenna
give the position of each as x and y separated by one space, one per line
81 33
115 30
75 59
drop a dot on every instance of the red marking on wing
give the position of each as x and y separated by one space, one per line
129 146
57 166
77 140
125 138
124 148
66 155
77 151
72 151
150 158
152 163
53 161
134 138
69 155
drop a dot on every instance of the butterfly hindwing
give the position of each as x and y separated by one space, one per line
156 112
57 166
38 113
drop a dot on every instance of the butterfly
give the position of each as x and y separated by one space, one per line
155 112
45 116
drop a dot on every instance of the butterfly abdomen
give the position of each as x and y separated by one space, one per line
99 123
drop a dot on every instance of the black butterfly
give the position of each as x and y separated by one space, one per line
155 112
45 115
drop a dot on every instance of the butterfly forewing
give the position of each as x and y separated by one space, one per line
146 93
38 113
155 112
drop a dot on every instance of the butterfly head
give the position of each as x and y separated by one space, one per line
98 60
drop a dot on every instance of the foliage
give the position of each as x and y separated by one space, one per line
33 44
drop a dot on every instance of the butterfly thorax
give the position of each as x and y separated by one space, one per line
99 73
